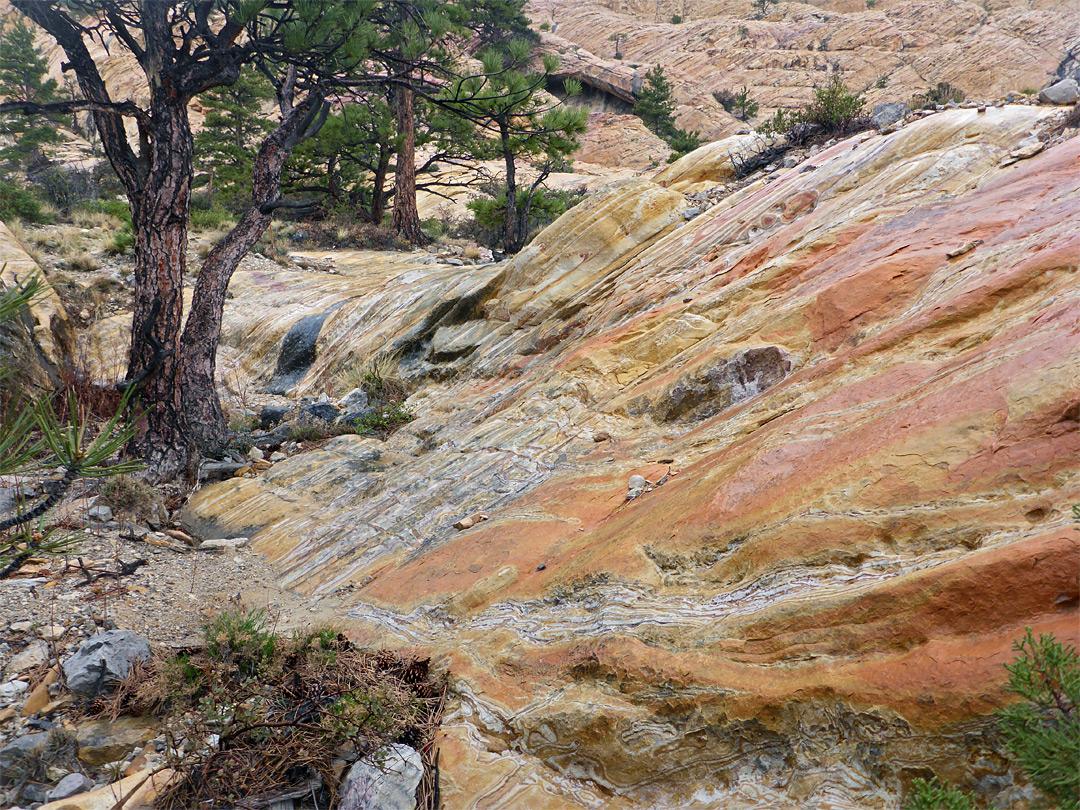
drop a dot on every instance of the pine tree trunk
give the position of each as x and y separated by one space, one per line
511 226
202 332
159 227
406 217
378 191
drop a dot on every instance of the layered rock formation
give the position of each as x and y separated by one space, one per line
853 390
890 49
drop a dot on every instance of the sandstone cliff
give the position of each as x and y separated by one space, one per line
987 49
854 392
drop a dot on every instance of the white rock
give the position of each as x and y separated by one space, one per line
51 632
637 482
255 454
12 689
224 542
355 400
1067 91
389 783
277 456
100 513
35 654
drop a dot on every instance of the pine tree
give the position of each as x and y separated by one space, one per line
519 124
656 108
22 78
225 148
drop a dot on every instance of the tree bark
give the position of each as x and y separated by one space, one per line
511 227
406 217
378 191
205 421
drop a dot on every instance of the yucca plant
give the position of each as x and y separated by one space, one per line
34 439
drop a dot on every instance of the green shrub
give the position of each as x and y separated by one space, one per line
942 93
833 111
882 81
676 19
210 219
738 104
933 795
240 639
383 420
545 26
545 206
18 203
120 242
1043 731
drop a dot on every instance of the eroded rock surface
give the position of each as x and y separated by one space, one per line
864 501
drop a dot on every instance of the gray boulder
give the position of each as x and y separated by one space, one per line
1067 91
103 658
271 415
319 411
888 113
71 785
355 400
12 754
388 784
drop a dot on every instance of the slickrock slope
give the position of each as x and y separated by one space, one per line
986 49
862 456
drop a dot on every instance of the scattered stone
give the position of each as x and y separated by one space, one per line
242 471
35 654
470 521
320 411
601 436
133 531
255 454
70 785
261 465
967 247
40 698
51 632
12 689
271 415
636 492
1029 147
387 783
223 543
18 750
691 212
183 537
105 657
1065 92
22 627
454 262
7 713
102 741
277 456
637 482
790 162
354 417
100 512
355 400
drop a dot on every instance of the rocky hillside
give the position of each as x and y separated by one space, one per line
890 48
772 474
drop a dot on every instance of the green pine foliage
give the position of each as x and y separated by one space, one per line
934 795
656 108
22 78
517 123
1043 731
739 104
226 146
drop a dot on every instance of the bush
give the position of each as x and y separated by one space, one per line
834 111
1043 732
676 19
255 714
18 203
935 796
210 219
943 93
120 242
738 104
545 206
130 495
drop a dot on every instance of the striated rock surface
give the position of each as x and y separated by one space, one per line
986 49
860 449
621 140
44 338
